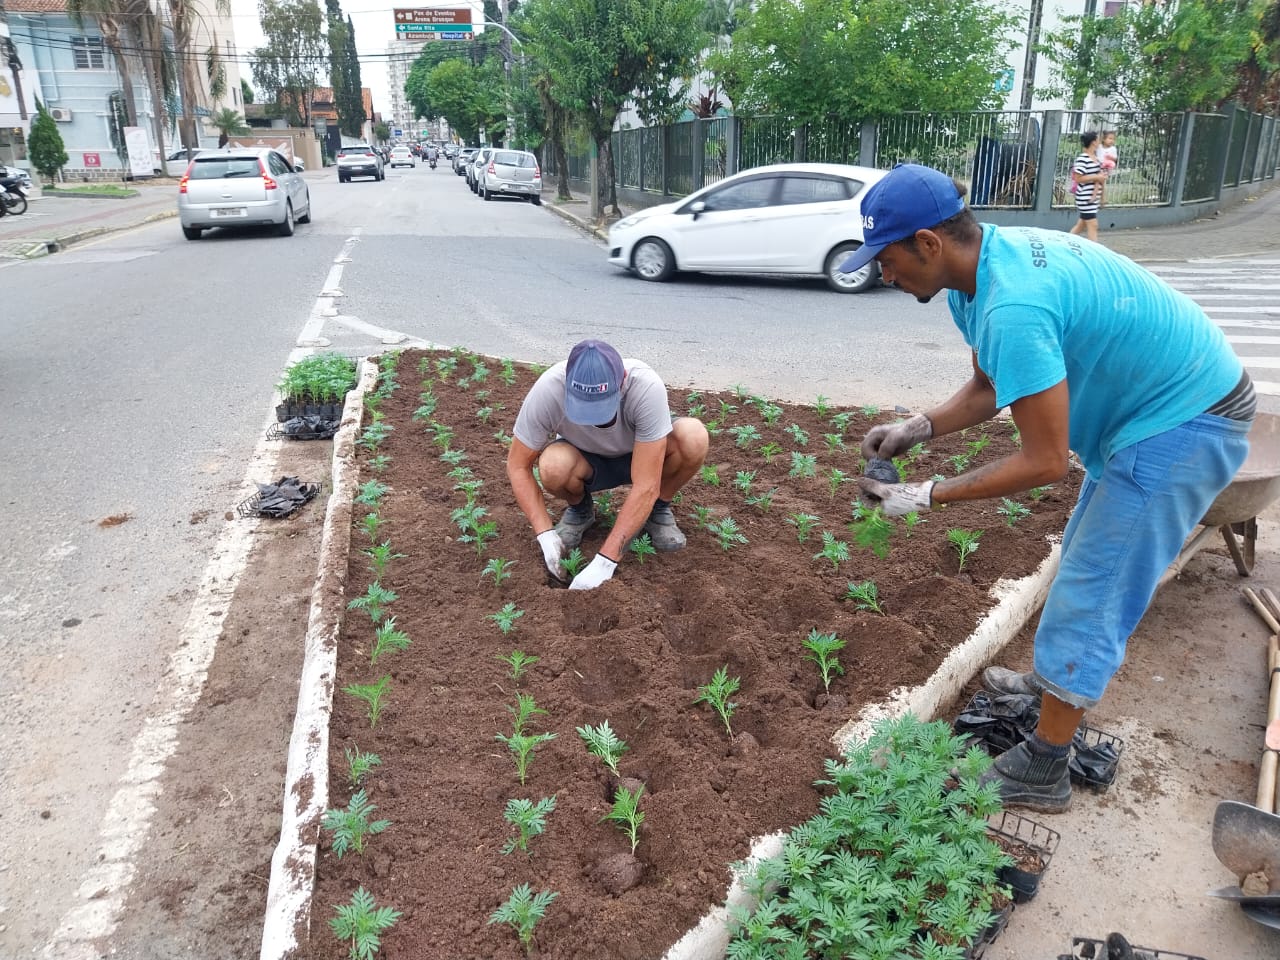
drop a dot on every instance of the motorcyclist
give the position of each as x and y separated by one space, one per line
433 154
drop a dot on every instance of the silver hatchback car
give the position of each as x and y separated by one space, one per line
241 187
511 173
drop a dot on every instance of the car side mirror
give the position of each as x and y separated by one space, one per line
696 208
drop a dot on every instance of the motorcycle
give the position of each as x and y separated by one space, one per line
13 199
432 163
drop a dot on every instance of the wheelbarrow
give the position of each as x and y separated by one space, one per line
1234 513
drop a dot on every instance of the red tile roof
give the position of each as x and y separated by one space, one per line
36 6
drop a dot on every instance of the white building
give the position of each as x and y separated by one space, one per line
400 57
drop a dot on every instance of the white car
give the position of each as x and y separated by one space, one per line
401 156
796 219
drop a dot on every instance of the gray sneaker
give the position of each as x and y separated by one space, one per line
662 530
574 522
1004 682
1026 780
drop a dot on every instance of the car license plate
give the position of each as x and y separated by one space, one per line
228 211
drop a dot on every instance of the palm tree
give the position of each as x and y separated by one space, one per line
229 124
109 16
185 16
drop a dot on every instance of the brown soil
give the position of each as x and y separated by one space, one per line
632 652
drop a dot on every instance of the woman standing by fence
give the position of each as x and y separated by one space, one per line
1087 178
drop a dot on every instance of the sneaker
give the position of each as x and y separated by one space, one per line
1004 682
662 530
1026 780
574 522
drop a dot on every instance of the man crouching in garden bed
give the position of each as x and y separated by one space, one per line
594 423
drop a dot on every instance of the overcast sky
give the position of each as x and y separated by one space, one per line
374 23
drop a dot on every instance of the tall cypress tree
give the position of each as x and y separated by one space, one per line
337 55
352 117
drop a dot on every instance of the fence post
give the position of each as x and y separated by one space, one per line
732 145
1229 109
868 140
800 143
1182 157
594 167
666 159
698 152
1047 161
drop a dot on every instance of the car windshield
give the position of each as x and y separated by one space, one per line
354 151
513 158
223 168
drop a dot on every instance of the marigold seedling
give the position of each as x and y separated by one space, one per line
871 530
834 551
499 568
710 474
573 561
427 407
387 638
373 695
803 465
605 510
870 410
525 708
1038 493
351 826
717 694
380 558
804 524
517 661
462 473
361 923
769 451
642 548
375 601
371 493
959 462
841 421
697 410
836 477
522 911
602 742
744 435
1012 511
771 413
359 764
379 463
479 535
912 520
453 457
469 489
529 819
762 501
503 437
522 746
371 524
484 413
743 480
821 648
508 372
445 367
479 371
796 433
865 596
835 442
977 446
374 434
727 533
965 543
442 435
822 407
626 813
740 391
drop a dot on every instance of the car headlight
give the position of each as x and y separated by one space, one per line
625 222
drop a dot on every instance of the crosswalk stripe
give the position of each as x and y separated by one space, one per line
1253 340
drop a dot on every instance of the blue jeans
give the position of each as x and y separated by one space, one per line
1127 528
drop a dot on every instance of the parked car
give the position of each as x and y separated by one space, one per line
402 157
241 187
450 150
359 160
511 173
473 168
24 178
462 158
792 219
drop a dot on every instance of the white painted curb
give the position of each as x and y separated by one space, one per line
306 782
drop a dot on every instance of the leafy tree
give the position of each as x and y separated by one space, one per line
286 67
468 97
1258 78
381 132
246 91
44 145
599 55
1157 57
865 59
229 124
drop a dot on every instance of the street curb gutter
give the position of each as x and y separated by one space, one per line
578 222
42 248
306 783
288 913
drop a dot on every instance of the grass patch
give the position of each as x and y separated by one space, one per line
105 190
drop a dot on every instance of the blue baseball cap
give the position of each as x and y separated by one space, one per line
908 198
593 383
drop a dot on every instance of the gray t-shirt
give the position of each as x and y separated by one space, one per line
643 414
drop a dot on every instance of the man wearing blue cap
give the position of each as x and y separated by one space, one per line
596 422
1092 354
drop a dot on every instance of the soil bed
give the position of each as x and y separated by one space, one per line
632 652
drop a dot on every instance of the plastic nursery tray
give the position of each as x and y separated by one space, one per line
1035 836
1095 758
1086 948
989 935
322 430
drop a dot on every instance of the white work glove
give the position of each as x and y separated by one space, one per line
595 573
897 499
552 551
888 440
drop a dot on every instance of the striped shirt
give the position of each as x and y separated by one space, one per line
1087 194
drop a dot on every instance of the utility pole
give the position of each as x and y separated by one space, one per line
1029 64
505 48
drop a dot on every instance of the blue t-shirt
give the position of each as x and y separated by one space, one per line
1139 357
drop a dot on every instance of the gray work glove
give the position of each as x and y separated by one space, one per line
552 551
888 440
897 499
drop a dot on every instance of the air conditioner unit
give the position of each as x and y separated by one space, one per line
61 114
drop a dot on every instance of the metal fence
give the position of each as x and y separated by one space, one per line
1146 153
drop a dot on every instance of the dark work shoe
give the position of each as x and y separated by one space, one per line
574 522
1004 682
662 530
1031 780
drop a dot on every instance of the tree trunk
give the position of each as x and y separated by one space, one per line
608 186
562 162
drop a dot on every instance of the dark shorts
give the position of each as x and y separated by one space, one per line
606 472
1089 216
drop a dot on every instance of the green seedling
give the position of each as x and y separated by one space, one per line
762 501
428 407
371 524
744 435
642 548
727 408
374 434
469 488
821 648
605 509
740 391
693 397
371 493
901 465
537 369
525 708
865 596
441 435
445 367
387 638
522 911
870 410
480 534
697 410
361 922
769 451
822 407
529 819
965 543
375 601
912 520
833 551
1012 511
1038 493
871 530
916 451
373 695
517 661
503 437
701 516
1016 436
836 477
727 533
453 457
797 434
351 826
462 473
835 442
804 524
379 463
372 402
380 558
977 446
626 813
771 413
841 421
959 462
522 746
359 764
508 372
498 568
710 474
717 694
803 465
602 742
479 371
743 480
484 413
573 561
506 618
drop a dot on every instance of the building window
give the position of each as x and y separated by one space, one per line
88 53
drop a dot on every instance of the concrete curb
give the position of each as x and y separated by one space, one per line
288 912
306 784
42 248
578 222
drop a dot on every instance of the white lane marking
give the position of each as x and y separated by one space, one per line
1261 363
1186 285
1267 388
388 337
1249 339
